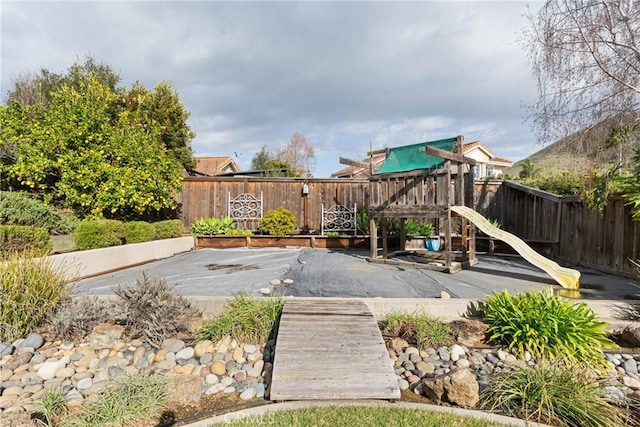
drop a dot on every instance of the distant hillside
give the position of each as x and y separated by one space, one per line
577 153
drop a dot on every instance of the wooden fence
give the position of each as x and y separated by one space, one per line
564 228
206 197
558 226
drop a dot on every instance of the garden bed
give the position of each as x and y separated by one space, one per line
303 241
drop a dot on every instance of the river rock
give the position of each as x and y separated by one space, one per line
260 389
630 382
216 388
6 349
248 394
211 379
17 360
49 369
456 351
34 341
630 366
203 347
186 353
172 345
65 372
84 383
218 367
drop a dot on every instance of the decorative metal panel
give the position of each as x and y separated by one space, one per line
339 218
245 208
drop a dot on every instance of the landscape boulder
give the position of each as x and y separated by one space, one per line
458 388
468 332
631 334
105 335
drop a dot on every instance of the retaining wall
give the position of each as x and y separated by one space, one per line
82 264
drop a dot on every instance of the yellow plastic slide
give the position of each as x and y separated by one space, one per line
566 277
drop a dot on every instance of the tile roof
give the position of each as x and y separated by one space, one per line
215 165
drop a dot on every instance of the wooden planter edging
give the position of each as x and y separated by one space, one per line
322 242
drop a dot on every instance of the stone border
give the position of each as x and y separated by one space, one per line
264 410
83 264
444 309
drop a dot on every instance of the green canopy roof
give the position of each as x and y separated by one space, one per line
411 157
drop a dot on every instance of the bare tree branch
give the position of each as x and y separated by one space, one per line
585 57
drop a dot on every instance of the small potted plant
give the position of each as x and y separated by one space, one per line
433 243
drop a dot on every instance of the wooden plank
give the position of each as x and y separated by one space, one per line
350 162
331 350
448 155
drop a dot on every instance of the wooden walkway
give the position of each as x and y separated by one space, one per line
331 350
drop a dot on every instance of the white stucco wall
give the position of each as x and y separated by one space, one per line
82 264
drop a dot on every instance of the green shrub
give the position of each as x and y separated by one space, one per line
547 326
148 309
30 286
129 401
425 330
169 229
278 222
212 226
563 184
413 228
99 233
362 220
17 208
240 233
553 395
53 405
246 320
75 318
139 231
153 311
17 238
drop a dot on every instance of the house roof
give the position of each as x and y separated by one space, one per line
466 148
355 170
215 165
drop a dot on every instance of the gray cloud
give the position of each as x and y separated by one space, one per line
342 74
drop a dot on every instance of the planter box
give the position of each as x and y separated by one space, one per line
303 241
415 243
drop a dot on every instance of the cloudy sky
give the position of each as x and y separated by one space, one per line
343 74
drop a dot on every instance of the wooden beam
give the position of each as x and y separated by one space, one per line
454 157
374 152
356 163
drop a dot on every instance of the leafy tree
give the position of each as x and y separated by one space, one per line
528 169
163 109
265 160
29 88
83 152
261 159
584 55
